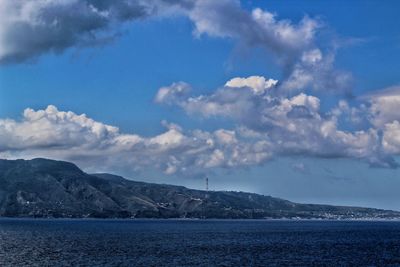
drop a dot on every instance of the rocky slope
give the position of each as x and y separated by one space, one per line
48 188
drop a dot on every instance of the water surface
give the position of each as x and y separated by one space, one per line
37 242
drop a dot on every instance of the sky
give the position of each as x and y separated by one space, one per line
296 99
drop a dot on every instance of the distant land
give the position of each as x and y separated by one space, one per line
46 188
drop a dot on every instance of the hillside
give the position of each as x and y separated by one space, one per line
48 188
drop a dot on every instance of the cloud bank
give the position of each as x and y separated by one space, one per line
296 125
267 126
66 135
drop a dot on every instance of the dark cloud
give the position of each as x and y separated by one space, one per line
31 28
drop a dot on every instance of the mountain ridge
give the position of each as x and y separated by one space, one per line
48 188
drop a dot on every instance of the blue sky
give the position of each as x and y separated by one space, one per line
115 83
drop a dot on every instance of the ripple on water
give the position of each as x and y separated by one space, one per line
201 243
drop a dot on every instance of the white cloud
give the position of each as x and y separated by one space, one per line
38 130
315 70
172 93
290 125
226 137
384 106
312 56
305 65
256 83
267 126
382 112
391 137
311 102
69 136
226 18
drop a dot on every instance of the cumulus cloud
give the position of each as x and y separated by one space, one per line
243 100
391 137
256 83
266 126
380 109
66 135
294 125
315 70
383 106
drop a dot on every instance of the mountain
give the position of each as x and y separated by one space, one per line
49 188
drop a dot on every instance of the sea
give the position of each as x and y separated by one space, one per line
90 242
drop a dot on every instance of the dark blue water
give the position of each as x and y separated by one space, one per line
198 243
